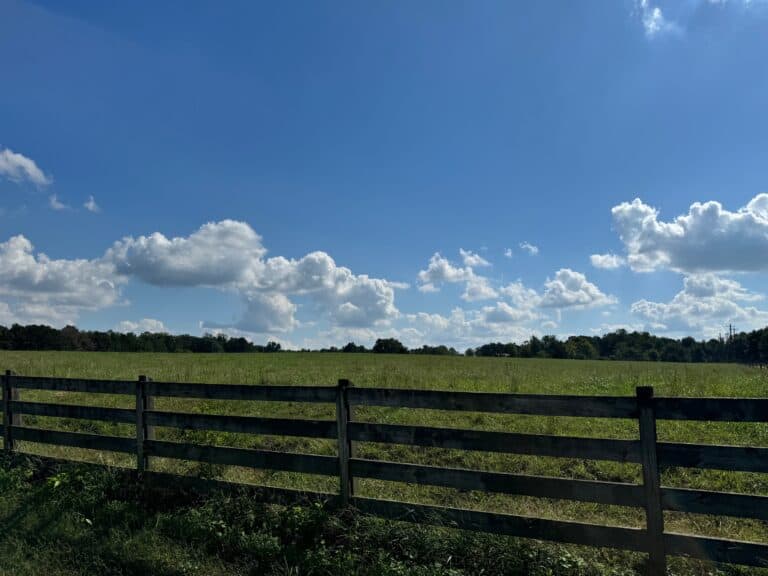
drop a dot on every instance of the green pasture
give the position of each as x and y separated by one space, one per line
444 373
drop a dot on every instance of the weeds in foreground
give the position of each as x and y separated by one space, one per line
76 519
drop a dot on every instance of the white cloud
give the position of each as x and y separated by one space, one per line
508 253
227 255
657 21
708 238
472 259
264 313
55 204
607 261
462 328
503 313
219 253
346 298
82 283
143 325
529 248
705 304
654 21
17 167
230 255
521 296
43 290
549 325
91 205
478 288
440 270
570 289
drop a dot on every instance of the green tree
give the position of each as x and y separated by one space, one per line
389 346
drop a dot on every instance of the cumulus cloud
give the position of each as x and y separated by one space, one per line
40 289
709 238
264 313
91 205
346 298
143 325
468 327
529 248
227 255
705 304
18 168
503 313
82 283
472 259
570 289
230 255
508 253
520 295
440 270
607 261
219 253
478 288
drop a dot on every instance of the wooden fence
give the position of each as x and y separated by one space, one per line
646 451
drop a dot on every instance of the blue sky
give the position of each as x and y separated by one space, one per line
442 172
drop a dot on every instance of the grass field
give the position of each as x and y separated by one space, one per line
446 373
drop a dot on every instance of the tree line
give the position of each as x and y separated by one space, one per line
744 347
40 337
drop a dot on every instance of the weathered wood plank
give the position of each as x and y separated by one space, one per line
243 424
142 459
654 515
75 385
343 418
740 458
716 503
243 392
538 404
712 409
124 415
8 418
717 550
612 493
521 526
75 439
265 459
513 443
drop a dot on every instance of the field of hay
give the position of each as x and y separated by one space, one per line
444 373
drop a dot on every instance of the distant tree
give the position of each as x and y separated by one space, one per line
764 346
389 346
353 348
580 348
273 347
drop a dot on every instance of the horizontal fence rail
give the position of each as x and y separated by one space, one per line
243 424
646 451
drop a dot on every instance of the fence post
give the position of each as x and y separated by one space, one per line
657 561
144 402
343 417
8 420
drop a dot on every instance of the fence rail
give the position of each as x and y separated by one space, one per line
646 451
